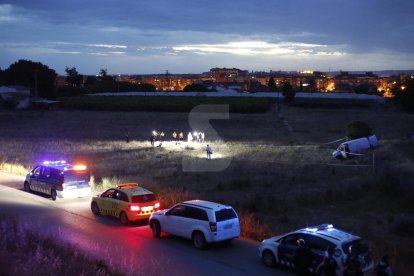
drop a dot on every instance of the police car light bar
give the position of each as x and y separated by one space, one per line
79 167
60 162
325 226
127 186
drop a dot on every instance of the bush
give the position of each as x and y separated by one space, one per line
358 129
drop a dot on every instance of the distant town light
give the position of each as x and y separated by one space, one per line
403 87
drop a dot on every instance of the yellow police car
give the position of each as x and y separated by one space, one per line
128 202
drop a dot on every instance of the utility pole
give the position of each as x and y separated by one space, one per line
35 84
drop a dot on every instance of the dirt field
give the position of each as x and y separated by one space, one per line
272 167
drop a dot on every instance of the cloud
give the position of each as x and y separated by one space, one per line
7 14
255 48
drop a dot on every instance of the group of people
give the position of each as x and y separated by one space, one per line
196 137
158 136
176 136
303 258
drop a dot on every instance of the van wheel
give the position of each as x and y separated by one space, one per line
123 218
199 241
268 258
53 195
156 228
95 208
27 187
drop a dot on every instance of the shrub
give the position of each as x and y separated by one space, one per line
252 228
358 129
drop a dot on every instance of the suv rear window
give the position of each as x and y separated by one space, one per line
76 176
143 198
225 214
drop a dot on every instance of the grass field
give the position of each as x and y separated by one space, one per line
278 177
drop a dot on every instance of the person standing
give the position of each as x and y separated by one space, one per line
352 265
174 136
189 137
302 258
209 151
383 267
329 263
181 136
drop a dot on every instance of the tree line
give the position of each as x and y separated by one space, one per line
41 80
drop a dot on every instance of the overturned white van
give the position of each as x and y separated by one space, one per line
351 147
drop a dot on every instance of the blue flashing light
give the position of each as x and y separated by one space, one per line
60 162
325 226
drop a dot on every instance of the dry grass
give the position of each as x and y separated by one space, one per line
275 176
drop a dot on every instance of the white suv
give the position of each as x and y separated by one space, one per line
201 221
280 250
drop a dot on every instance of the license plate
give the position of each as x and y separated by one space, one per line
228 226
147 208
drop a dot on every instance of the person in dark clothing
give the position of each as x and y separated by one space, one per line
329 263
383 268
302 258
352 265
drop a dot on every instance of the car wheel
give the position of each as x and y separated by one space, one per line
156 228
27 187
95 208
268 258
199 241
123 218
53 195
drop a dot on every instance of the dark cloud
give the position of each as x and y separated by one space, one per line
354 26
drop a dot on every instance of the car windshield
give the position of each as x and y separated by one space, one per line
225 214
143 198
76 176
358 245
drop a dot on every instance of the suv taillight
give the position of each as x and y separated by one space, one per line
157 205
134 208
213 226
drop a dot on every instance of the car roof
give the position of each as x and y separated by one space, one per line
132 189
206 204
327 231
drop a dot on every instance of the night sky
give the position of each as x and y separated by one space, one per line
192 36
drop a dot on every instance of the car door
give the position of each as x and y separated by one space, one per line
286 249
318 246
43 181
104 202
118 203
33 180
193 218
174 220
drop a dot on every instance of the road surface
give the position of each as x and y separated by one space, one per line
130 249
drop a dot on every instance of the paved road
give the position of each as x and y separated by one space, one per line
131 249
